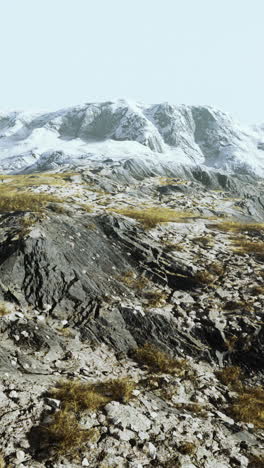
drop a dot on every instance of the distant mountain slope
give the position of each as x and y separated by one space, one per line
162 133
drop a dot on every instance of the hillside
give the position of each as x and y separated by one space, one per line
131 289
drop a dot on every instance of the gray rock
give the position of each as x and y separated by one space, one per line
127 417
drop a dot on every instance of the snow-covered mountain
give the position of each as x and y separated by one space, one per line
120 130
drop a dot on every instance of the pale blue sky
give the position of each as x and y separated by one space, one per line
57 53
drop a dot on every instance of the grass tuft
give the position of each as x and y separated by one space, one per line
204 277
235 226
64 434
216 268
172 247
257 290
136 282
159 361
196 408
187 448
24 201
81 396
231 376
204 241
243 246
150 217
3 309
256 461
249 406
155 298
2 461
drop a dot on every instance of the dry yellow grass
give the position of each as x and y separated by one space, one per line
3 310
249 406
86 208
159 361
235 226
80 396
171 247
256 461
244 306
187 448
150 217
66 332
196 408
63 434
204 277
171 181
2 461
136 282
217 268
24 201
244 246
155 298
231 376
257 290
21 181
205 241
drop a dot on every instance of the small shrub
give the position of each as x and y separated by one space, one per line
150 217
248 406
159 361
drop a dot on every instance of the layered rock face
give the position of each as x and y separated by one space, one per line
131 288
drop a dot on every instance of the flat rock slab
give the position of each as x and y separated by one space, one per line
127 417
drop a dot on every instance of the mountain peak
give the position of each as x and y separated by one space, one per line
122 128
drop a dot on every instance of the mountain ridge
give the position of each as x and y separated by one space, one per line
120 130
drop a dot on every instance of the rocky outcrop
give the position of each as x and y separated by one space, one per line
83 285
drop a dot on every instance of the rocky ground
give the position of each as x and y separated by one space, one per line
105 270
